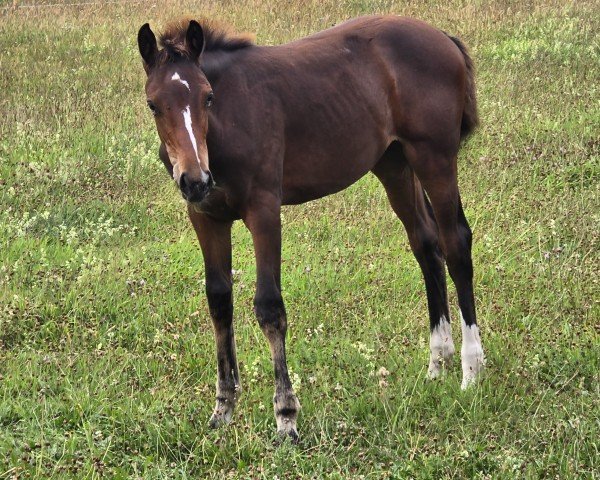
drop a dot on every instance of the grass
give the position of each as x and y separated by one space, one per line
107 362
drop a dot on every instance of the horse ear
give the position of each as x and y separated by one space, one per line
194 39
147 45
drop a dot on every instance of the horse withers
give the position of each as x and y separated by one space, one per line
245 129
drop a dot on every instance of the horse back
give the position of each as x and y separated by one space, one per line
334 101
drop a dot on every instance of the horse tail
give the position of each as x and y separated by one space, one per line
470 118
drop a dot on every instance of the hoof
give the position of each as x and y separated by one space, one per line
472 357
441 346
473 366
290 433
440 361
222 414
437 365
286 414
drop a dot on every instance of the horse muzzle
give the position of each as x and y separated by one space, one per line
193 190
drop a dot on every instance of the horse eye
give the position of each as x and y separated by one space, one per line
209 99
152 107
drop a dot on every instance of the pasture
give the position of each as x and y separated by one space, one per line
107 364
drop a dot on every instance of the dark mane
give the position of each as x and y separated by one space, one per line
217 36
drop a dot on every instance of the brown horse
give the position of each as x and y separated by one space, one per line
291 123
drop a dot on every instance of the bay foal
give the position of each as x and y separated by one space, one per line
291 123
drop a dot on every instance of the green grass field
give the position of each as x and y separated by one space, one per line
107 364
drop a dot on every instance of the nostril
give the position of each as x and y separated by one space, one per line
182 181
194 190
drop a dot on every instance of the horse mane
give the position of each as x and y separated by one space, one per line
217 36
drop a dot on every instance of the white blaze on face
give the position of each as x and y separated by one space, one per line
441 346
471 353
177 78
187 119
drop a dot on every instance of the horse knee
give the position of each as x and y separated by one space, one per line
220 302
270 312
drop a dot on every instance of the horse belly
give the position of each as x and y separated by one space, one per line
318 172
334 149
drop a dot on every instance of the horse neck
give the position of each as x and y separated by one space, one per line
215 64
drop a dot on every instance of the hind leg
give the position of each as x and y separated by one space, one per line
436 170
408 201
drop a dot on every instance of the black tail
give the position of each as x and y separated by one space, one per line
470 118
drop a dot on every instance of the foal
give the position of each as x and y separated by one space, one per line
291 123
